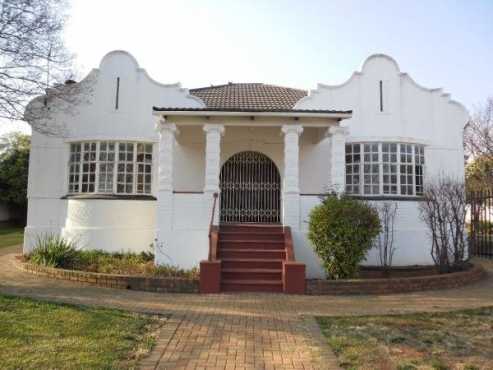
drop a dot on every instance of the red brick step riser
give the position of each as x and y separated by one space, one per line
245 244
253 253
251 288
260 264
251 275
251 228
251 236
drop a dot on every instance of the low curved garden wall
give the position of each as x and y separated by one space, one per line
395 285
145 283
313 286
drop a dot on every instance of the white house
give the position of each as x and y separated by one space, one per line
137 162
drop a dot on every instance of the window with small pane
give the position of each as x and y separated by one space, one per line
110 167
384 168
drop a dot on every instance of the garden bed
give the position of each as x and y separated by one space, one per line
134 282
424 279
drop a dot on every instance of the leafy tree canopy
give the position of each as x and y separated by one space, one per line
14 164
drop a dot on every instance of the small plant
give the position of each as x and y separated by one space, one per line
342 230
54 251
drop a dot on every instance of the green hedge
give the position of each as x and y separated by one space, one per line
342 230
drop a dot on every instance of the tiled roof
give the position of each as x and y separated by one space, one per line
249 96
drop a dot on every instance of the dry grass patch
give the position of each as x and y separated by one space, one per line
452 340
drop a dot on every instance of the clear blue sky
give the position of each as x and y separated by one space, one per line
440 43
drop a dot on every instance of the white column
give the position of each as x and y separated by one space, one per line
337 176
167 138
213 133
291 181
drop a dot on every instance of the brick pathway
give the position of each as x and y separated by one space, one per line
240 331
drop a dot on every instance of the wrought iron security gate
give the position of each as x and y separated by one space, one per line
250 189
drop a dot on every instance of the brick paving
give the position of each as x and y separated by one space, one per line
240 331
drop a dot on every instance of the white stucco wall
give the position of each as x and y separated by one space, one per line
412 114
95 117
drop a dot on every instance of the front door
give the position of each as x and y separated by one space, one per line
250 189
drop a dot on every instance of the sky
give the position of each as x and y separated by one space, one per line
440 43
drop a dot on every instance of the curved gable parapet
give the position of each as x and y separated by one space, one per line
128 60
327 96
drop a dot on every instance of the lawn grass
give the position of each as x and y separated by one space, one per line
42 335
11 235
452 340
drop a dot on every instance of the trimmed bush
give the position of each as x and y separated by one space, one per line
54 251
342 230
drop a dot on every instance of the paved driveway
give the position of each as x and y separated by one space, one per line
240 331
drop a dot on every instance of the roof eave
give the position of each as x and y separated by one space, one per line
294 114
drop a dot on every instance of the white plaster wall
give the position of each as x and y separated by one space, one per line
411 238
95 117
189 156
411 114
111 225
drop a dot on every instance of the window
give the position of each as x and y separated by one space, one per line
110 167
384 169
371 169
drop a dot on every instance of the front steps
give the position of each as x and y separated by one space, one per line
251 258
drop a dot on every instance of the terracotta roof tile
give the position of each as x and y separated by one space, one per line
244 96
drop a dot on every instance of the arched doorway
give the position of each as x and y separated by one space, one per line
250 189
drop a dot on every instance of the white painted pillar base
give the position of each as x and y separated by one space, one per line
213 133
291 188
164 219
337 180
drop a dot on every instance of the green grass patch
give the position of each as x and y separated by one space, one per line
11 235
451 340
42 335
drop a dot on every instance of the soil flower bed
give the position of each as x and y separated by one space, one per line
452 340
121 263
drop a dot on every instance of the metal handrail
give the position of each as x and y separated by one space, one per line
215 195
213 240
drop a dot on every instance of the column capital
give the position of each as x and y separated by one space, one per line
337 131
292 129
164 126
213 127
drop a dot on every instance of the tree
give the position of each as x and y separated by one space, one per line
14 164
33 60
478 133
443 211
479 174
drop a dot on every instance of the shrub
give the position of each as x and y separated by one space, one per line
342 230
443 211
54 251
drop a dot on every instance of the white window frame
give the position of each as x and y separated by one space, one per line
381 163
115 168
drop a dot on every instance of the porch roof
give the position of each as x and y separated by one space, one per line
321 113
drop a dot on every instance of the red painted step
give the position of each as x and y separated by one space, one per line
232 235
251 244
253 263
251 274
251 228
231 253
251 286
